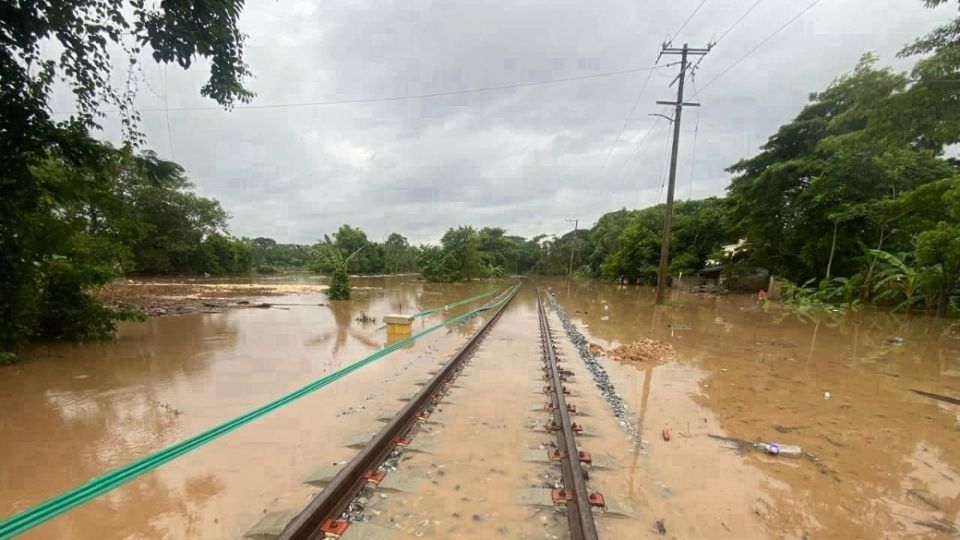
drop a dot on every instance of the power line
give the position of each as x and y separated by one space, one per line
662 176
640 143
396 98
693 152
684 25
696 94
166 113
761 44
734 25
626 121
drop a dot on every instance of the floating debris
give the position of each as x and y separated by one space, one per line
365 319
939 397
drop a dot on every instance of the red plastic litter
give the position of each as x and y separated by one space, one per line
666 434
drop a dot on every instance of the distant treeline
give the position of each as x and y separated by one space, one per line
623 245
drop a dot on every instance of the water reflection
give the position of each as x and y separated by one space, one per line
836 384
72 412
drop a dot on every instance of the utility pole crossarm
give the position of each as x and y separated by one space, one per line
674 103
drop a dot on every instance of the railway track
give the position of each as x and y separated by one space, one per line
328 514
573 492
332 512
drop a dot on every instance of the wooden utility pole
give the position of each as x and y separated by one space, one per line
662 276
573 243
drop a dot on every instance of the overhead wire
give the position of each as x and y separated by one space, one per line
404 97
693 152
166 113
737 22
689 18
640 143
633 109
626 122
663 168
761 44
719 39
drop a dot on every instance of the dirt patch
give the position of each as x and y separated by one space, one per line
643 350
155 298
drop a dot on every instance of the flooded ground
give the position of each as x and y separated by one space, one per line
837 385
71 412
884 462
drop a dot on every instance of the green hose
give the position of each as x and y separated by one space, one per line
445 307
51 508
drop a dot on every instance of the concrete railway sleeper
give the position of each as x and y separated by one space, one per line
573 492
330 513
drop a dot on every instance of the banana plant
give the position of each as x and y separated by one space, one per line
899 282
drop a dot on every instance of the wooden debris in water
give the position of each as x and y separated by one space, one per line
931 395
923 498
938 525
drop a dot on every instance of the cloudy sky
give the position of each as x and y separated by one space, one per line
524 158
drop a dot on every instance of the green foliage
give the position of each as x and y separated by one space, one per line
66 310
64 224
699 228
339 285
828 294
398 255
220 256
269 256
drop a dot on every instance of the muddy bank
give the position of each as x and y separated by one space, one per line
156 298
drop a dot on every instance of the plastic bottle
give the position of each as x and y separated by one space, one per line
785 450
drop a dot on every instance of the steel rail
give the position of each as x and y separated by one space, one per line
574 492
324 511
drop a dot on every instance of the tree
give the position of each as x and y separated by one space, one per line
941 38
805 201
31 235
461 253
940 247
397 254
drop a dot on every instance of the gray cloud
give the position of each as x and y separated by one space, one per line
524 159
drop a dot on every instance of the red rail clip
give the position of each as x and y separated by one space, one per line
335 527
423 415
403 440
561 495
585 457
552 426
375 476
596 499
556 455
577 428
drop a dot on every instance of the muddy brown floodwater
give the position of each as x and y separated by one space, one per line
838 385
882 462
71 412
